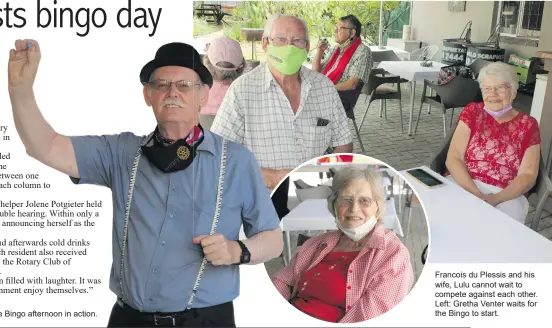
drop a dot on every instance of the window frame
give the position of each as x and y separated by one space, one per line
520 31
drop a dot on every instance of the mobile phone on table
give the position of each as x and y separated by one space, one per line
425 178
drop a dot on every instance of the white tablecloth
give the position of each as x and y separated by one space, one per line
411 70
465 229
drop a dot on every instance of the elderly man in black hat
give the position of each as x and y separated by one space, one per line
180 194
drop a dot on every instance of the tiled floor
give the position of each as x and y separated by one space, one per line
382 138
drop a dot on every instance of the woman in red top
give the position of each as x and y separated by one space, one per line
495 150
358 272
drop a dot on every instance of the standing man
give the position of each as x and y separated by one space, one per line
165 194
284 113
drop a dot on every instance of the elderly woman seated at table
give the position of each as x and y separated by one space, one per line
495 151
226 63
358 272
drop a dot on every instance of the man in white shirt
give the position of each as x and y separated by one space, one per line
283 112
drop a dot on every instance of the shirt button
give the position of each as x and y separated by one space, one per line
154 271
173 188
349 287
350 271
171 216
162 243
348 307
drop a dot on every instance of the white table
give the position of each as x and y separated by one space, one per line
313 214
400 53
465 229
413 72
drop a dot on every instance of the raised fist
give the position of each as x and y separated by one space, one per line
23 64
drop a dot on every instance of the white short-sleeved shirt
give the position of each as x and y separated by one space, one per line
256 113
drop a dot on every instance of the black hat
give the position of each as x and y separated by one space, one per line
177 54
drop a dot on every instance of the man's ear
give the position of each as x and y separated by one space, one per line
204 95
265 43
147 96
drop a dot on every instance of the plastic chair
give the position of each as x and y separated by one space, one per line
374 90
458 92
424 53
424 255
542 188
477 66
349 99
300 184
320 192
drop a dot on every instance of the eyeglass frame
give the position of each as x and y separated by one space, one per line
342 28
286 43
495 89
350 202
189 85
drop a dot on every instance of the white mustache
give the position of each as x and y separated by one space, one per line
172 101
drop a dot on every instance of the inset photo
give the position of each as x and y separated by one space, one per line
355 238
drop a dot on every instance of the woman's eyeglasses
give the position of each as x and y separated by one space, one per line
363 202
498 89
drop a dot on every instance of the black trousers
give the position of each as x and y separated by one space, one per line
280 199
221 315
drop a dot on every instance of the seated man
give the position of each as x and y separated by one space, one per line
350 61
284 113
349 64
165 196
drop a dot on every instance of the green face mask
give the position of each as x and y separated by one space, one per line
286 59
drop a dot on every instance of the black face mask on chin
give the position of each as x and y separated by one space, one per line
173 157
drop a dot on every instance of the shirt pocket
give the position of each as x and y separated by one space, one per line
319 138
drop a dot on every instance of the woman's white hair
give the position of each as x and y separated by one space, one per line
274 18
500 71
344 177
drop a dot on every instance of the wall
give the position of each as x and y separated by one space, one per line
545 42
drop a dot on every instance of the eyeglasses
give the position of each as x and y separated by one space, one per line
342 28
363 202
164 85
281 41
498 89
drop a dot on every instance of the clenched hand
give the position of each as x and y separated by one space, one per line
218 250
23 64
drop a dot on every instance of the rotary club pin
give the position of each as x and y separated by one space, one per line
183 153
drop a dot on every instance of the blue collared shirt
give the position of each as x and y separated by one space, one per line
168 210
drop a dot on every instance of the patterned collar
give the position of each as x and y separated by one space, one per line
191 139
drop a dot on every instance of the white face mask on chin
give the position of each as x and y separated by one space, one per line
359 232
